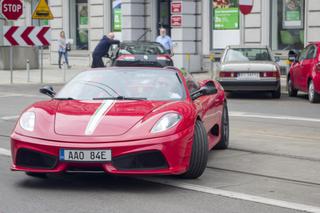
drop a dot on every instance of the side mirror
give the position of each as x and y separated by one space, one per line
208 89
48 90
292 56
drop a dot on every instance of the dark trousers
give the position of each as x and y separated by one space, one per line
65 54
97 62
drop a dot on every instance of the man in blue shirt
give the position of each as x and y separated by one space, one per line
165 40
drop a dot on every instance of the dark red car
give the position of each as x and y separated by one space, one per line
123 121
304 72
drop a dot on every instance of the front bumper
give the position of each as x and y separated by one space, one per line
258 85
175 151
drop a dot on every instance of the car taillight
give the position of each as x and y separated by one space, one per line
163 58
273 74
223 74
126 58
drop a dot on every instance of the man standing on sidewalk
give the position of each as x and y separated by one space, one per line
102 49
165 40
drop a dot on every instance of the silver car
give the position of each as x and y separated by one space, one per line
249 69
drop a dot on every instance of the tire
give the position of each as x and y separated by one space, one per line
292 92
313 96
199 153
224 141
276 94
37 175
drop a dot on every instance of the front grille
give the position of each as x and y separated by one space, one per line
149 160
33 159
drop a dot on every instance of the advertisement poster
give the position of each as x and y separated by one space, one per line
292 14
225 14
117 16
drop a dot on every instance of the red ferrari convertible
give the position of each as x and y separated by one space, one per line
127 121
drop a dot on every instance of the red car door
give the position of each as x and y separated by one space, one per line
307 66
297 69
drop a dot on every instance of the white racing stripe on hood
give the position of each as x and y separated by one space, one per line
98 115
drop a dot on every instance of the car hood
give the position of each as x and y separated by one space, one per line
99 118
257 66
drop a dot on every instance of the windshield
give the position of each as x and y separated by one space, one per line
124 84
142 49
247 54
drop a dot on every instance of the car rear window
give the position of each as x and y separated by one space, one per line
247 54
143 49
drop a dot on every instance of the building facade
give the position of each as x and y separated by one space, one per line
206 26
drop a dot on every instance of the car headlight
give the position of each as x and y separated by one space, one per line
166 122
27 121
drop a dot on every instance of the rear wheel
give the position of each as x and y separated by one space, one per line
313 96
276 94
199 154
292 92
224 141
37 175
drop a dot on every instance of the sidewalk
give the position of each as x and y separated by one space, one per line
51 74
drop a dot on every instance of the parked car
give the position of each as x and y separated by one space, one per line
304 74
123 120
249 69
142 53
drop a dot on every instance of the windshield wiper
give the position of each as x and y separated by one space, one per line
120 98
62 99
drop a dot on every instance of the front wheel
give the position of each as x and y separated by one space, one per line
313 96
199 153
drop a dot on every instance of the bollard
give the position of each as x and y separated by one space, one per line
188 60
28 70
64 71
211 57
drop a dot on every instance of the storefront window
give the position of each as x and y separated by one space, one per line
287 24
164 15
225 14
79 23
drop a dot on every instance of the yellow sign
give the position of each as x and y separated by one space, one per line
211 57
42 11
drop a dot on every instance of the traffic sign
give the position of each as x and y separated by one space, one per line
12 9
26 36
176 7
246 6
42 11
176 21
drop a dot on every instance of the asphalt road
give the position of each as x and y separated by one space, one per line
273 165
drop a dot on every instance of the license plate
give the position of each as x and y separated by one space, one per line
85 155
248 76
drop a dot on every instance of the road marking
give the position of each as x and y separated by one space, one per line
5 152
234 195
8 95
278 117
8 118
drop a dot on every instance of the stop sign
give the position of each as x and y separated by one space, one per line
12 9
